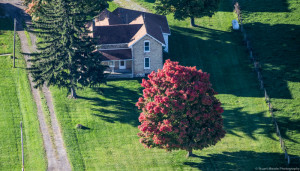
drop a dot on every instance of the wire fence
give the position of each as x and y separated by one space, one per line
257 69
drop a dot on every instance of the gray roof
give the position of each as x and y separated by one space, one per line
128 26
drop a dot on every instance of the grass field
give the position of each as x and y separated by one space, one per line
16 104
109 140
274 31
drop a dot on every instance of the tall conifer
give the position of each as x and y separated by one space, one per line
65 53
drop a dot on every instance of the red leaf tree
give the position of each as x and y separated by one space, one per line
179 110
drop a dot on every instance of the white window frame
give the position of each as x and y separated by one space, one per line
145 45
145 63
123 67
113 64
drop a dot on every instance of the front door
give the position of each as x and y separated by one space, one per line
122 64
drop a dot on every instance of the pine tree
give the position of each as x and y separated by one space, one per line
92 7
187 8
65 53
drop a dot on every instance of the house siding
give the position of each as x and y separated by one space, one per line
139 55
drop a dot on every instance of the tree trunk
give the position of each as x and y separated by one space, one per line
190 153
73 94
193 22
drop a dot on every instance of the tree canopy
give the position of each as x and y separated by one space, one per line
179 110
90 7
187 8
65 51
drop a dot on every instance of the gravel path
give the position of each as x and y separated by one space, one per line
54 146
130 5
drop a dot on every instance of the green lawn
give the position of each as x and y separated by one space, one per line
109 140
6 36
112 6
274 30
16 104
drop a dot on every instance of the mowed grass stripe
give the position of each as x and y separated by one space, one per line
16 104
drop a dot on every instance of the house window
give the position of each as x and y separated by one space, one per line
147 46
147 63
111 63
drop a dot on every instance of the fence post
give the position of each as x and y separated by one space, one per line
260 79
22 146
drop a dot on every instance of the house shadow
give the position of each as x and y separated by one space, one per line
117 106
240 160
139 79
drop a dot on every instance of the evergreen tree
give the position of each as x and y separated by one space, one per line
93 7
65 53
187 8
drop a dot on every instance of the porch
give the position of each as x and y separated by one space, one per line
119 68
119 62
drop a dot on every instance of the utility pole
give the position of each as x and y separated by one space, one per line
15 23
22 146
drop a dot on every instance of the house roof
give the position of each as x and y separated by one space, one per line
152 29
128 26
107 18
128 15
118 54
115 34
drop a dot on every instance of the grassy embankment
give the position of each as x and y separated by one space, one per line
109 140
16 104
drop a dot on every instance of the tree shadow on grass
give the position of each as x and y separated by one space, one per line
257 124
222 54
264 6
118 104
6 24
238 121
14 12
258 6
150 1
277 48
241 160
